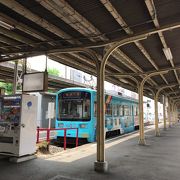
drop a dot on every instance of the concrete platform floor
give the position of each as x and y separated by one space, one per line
159 160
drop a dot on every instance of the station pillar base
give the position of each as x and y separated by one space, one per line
157 133
101 166
142 142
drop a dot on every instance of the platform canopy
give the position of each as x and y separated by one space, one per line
36 27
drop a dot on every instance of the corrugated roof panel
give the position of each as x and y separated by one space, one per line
135 54
170 77
42 12
134 13
168 11
154 47
22 19
173 42
97 14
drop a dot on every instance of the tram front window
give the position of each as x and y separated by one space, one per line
74 106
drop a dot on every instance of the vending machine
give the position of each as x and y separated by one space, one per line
18 117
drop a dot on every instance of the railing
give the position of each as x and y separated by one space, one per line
48 130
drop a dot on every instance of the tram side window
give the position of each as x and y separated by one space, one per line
136 111
115 122
86 108
95 109
108 109
115 110
132 109
121 110
127 110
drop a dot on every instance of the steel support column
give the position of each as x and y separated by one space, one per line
157 133
175 111
173 118
141 111
177 114
101 165
164 111
169 112
141 114
175 121
174 114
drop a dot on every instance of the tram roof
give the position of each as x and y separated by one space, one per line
29 28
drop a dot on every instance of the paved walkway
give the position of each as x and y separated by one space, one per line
159 160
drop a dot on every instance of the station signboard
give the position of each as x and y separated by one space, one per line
35 82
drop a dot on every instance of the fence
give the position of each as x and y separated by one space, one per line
48 130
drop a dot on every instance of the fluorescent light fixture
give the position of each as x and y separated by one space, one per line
168 54
6 25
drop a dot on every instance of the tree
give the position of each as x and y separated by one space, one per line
53 71
7 86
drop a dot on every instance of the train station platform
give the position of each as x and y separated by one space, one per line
158 160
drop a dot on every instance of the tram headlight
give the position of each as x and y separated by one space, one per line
83 125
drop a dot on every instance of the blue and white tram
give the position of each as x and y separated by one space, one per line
76 108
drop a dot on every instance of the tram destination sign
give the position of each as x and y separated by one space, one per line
74 94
